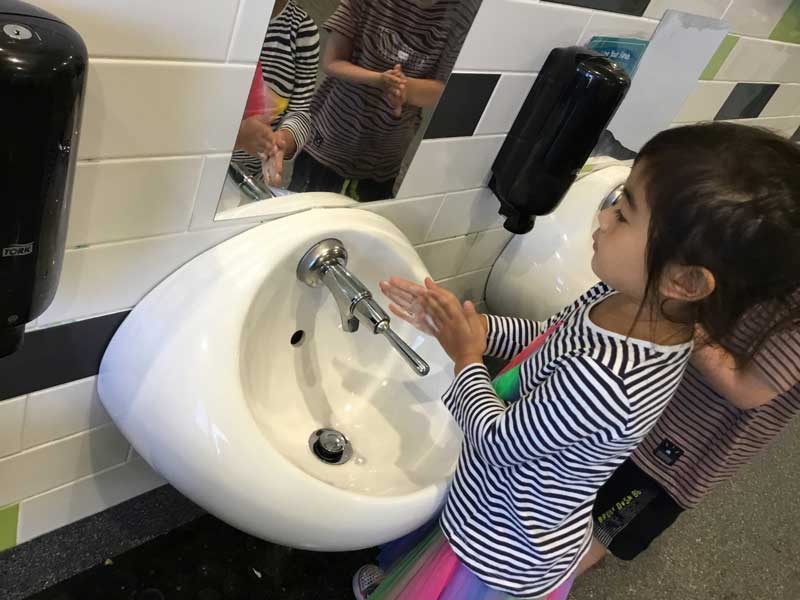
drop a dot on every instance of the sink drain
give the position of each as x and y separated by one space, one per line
330 446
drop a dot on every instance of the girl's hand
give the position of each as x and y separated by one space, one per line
459 328
406 297
256 136
395 89
392 79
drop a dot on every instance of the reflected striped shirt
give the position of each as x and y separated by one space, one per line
519 512
713 437
356 133
289 64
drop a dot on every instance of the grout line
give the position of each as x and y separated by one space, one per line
584 29
760 39
22 427
435 218
235 223
74 481
235 29
171 62
727 8
79 319
59 440
465 274
485 113
139 157
155 158
748 81
195 195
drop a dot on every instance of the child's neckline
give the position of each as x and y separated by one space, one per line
633 340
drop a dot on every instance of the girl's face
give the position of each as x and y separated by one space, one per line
620 243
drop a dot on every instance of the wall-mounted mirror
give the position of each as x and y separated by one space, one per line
341 97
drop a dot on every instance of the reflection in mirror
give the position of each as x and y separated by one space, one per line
340 95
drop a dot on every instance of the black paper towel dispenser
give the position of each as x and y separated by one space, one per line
572 101
43 66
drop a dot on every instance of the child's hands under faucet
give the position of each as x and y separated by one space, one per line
406 297
460 330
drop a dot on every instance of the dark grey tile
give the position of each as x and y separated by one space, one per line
796 136
462 105
746 101
57 355
209 560
628 7
53 557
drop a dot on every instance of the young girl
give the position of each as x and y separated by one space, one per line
701 252
736 397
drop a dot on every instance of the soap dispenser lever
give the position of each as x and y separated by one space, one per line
326 264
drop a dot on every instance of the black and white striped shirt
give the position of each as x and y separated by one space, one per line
290 65
519 512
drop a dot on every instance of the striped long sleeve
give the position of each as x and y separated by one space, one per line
581 399
508 337
306 68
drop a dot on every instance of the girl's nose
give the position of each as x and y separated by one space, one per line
606 218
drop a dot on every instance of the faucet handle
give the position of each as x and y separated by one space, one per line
412 358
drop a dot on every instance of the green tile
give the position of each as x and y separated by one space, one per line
8 526
788 28
715 64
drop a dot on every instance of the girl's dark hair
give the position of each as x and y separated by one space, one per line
727 197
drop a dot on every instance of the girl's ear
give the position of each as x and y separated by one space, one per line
687 283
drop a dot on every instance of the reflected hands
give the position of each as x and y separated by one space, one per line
256 135
395 88
272 163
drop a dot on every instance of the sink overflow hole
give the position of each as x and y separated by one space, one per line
298 338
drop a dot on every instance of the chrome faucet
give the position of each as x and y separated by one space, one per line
326 263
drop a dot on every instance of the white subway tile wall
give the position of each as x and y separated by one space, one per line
126 199
167 85
103 278
12 416
61 411
64 505
762 60
755 17
705 101
505 103
158 108
611 24
50 465
451 164
785 101
785 126
465 212
707 8
413 217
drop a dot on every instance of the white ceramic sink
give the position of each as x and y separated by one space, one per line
204 381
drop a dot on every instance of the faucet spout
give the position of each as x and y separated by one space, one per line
326 264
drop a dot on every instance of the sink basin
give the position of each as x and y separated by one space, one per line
221 375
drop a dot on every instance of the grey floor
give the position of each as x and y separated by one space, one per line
742 544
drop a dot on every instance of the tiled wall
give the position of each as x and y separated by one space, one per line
167 84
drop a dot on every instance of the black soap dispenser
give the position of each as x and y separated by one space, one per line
572 101
43 65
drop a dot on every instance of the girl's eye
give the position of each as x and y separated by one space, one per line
620 217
